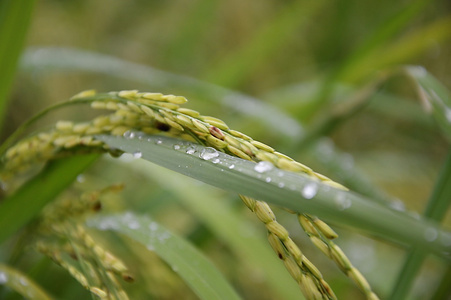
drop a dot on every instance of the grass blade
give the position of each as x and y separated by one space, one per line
436 210
187 261
15 17
19 208
21 284
234 68
337 206
435 97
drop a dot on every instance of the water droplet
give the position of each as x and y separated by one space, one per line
163 237
231 166
134 225
208 153
3 278
107 224
397 205
153 226
129 134
177 147
23 281
430 234
263 166
342 202
81 178
191 150
137 154
268 179
448 114
140 135
309 191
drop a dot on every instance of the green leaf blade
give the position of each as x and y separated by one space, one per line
238 233
336 206
198 272
435 96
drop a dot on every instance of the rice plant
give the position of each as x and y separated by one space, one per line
146 195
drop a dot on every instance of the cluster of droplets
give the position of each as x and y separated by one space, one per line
265 170
309 191
263 167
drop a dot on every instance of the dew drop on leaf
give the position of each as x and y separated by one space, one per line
342 202
208 153
309 191
190 150
263 166
129 134
134 225
430 234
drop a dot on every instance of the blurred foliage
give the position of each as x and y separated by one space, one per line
305 58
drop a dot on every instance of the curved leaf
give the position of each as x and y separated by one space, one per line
198 272
435 96
22 284
294 191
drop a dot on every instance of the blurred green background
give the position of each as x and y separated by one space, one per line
306 58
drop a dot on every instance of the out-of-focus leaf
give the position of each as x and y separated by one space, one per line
437 207
19 208
15 17
227 224
22 284
272 38
78 60
197 271
435 97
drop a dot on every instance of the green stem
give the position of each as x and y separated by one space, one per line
436 210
